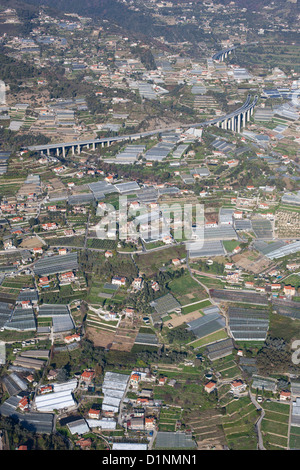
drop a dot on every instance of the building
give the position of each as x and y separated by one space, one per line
45 389
72 338
238 386
94 414
176 262
136 424
87 376
137 283
162 380
119 280
210 386
135 379
289 291
23 404
149 423
285 395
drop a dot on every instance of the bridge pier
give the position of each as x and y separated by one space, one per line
78 149
94 146
64 151
239 117
48 152
73 150
232 124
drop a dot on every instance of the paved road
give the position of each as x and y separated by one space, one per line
258 423
247 105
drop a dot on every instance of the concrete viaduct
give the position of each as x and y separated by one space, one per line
233 121
221 55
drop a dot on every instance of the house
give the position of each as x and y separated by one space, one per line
167 240
109 179
84 443
237 249
292 266
111 316
43 281
285 395
62 251
210 386
238 386
289 291
137 283
119 280
26 304
228 266
71 338
129 312
149 423
176 261
263 205
49 226
155 286
52 374
275 286
45 389
260 289
94 414
37 251
87 376
249 284
273 273
142 401
135 378
67 277
136 424
108 254
238 214
23 404
162 380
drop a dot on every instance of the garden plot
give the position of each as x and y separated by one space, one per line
294 442
275 425
125 335
169 419
251 261
238 424
287 224
100 337
207 429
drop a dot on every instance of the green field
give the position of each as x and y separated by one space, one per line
217 336
238 424
294 442
186 290
195 307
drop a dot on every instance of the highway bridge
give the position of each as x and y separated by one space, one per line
232 121
223 54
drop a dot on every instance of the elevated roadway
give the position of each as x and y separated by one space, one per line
232 121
